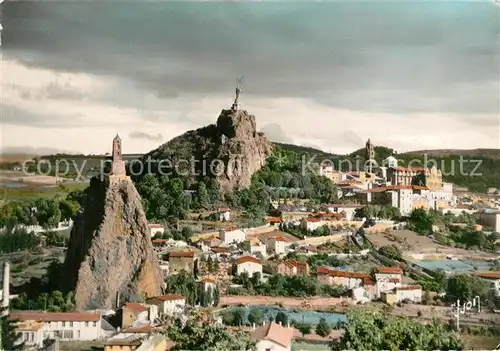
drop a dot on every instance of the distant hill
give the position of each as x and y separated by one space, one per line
487 153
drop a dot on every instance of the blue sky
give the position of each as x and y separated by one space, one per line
409 75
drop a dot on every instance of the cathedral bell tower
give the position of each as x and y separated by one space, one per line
118 172
370 155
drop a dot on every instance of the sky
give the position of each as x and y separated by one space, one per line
410 75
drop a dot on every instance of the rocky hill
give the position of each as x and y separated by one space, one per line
231 151
110 253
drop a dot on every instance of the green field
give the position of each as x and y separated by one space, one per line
32 191
304 346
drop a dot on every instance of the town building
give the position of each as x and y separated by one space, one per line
180 261
273 337
168 304
154 228
402 294
134 312
249 265
257 246
349 280
137 343
493 277
292 268
490 219
209 243
35 327
232 235
311 223
223 214
277 244
348 209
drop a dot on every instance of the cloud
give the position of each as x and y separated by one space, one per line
347 55
274 132
88 125
136 134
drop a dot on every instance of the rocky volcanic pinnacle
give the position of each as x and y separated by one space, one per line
110 253
233 143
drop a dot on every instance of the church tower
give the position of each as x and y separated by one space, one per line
118 165
370 155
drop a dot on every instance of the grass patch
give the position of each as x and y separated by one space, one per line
33 191
305 346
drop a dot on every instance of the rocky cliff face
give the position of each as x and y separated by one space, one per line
110 253
231 151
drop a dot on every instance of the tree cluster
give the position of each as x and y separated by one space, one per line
280 285
376 331
56 301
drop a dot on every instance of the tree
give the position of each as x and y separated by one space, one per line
304 328
256 315
421 221
199 334
216 296
282 318
323 328
9 335
465 288
184 284
377 331
391 251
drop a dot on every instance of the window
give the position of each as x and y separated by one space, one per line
67 334
86 324
94 324
63 324
70 324
268 349
32 337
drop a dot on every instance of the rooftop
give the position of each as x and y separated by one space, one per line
388 270
246 259
55 316
136 307
275 333
189 254
167 297
488 275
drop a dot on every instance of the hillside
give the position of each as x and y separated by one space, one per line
485 153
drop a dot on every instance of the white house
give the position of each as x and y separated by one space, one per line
230 235
224 214
248 264
257 246
311 223
35 327
278 244
168 304
273 337
154 229
348 209
493 277
411 293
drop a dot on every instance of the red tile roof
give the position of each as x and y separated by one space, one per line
55 316
220 250
208 280
343 274
136 307
274 332
245 259
395 187
488 275
389 270
280 238
227 209
273 220
230 229
159 241
181 254
313 219
409 287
